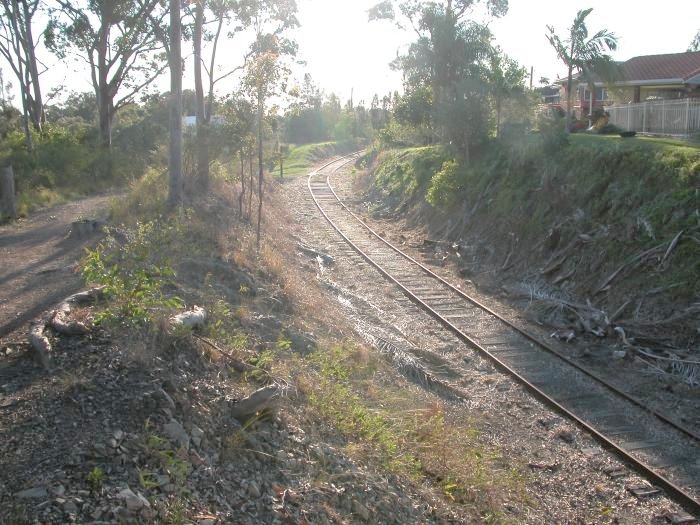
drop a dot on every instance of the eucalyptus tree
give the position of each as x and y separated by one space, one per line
173 47
583 54
212 20
267 69
118 41
18 47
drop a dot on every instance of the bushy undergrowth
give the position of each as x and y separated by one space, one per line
135 272
66 159
408 172
642 191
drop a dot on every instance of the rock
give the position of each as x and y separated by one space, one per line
359 509
34 492
262 399
165 400
566 436
119 435
253 490
134 502
58 490
197 435
195 318
70 507
619 354
175 432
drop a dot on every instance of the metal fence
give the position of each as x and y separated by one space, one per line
663 117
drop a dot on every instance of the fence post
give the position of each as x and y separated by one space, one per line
8 205
644 117
663 116
687 116
629 114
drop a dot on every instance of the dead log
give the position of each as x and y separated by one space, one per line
85 227
63 325
195 318
8 203
59 319
262 399
40 343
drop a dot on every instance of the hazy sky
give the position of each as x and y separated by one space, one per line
342 50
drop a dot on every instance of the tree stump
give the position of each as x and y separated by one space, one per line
8 204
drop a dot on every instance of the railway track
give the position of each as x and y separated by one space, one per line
621 423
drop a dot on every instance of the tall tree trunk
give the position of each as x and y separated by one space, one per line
202 118
251 184
569 86
261 114
104 99
242 194
37 109
175 154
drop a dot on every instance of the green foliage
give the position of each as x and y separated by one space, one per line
407 172
539 180
135 273
445 185
552 129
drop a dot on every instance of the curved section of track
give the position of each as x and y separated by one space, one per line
618 421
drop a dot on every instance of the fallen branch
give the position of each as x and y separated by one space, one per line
59 321
671 246
40 343
237 364
632 262
565 276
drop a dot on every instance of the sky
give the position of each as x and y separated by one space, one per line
344 53
343 50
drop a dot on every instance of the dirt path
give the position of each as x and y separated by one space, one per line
38 260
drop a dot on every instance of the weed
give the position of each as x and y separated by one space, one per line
147 479
418 443
95 479
173 462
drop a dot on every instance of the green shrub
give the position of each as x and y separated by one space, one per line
135 273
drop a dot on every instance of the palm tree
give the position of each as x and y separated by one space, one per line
585 55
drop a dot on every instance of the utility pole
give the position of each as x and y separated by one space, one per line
532 71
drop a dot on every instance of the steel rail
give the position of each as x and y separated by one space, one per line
534 339
678 493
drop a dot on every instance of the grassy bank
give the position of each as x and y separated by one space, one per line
302 157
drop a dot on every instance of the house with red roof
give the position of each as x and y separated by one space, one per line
644 78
